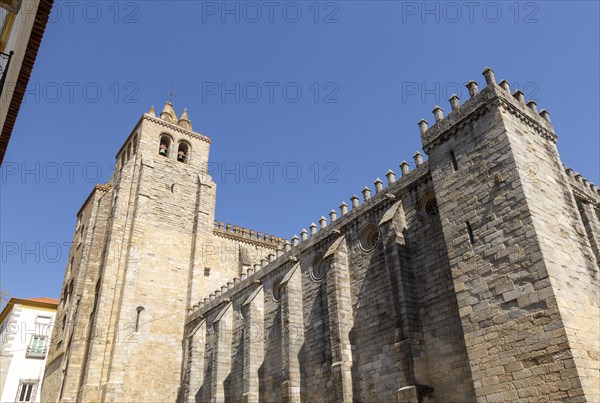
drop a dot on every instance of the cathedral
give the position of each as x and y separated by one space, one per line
473 276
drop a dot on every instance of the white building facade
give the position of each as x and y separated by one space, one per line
25 330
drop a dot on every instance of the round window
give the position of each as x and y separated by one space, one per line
428 206
369 237
244 311
277 291
431 207
319 268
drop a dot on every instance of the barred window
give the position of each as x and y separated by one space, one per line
27 390
37 348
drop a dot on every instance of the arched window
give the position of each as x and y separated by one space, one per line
128 151
135 145
165 145
183 152
139 310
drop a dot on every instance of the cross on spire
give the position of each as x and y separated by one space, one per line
170 93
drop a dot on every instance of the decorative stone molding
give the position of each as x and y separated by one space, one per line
176 128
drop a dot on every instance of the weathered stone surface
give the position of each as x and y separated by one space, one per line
473 277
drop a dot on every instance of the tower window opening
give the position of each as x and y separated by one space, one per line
183 152
470 231
165 144
454 162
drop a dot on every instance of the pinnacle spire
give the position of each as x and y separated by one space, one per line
168 113
184 115
184 120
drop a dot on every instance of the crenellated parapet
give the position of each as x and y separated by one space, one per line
478 104
246 235
582 187
286 251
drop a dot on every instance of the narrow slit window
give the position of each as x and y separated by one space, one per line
139 310
470 231
454 162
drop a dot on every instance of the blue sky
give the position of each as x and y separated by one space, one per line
342 87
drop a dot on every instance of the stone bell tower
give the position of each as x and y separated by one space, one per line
132 269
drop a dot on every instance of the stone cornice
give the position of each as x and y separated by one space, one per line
99 187
176 128
529 119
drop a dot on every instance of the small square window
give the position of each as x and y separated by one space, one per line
43 325
43 320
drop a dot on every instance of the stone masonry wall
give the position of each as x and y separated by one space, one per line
473 277
516 249
568 257
228 254
77 299
387 333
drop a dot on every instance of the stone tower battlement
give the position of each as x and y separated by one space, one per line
245 234
583 187
469 111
